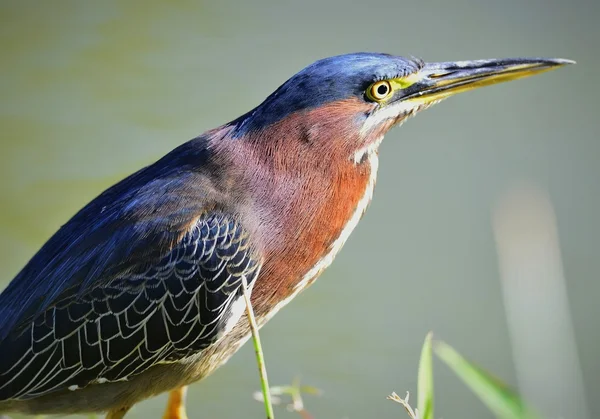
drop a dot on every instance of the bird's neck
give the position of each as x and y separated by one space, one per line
315 237
303 205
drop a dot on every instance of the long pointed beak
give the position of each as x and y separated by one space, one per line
436 81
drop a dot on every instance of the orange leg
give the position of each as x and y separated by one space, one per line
117 413
176 404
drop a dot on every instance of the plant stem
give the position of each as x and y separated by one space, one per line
260 360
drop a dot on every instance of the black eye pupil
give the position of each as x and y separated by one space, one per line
382 90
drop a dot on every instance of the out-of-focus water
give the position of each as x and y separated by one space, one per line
89 92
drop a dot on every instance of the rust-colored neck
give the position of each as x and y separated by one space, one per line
302 188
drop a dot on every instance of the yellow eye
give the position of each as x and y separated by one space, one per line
379 90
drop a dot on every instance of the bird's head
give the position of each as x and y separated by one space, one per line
347 103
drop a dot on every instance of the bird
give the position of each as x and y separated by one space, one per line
141 291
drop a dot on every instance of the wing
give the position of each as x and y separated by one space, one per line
129 224
145 273
158 312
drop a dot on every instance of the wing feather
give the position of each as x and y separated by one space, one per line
143 274
162 311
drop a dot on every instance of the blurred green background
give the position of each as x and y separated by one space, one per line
91 91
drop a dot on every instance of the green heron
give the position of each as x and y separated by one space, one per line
140 292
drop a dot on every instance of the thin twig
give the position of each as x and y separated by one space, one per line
260 360
404 402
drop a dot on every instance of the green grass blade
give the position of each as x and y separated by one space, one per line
260 358
500 399
425 383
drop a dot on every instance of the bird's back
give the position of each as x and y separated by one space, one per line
146 273
111 228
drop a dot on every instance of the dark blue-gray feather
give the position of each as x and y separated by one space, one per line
127 224
165 310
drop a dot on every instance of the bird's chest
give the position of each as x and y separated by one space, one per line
316 229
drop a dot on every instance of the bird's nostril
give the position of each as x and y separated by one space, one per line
439 75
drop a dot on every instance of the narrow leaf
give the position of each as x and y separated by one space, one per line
425 383
500 399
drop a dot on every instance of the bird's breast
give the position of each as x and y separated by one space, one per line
317 225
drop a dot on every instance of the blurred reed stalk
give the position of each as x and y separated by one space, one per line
537 310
